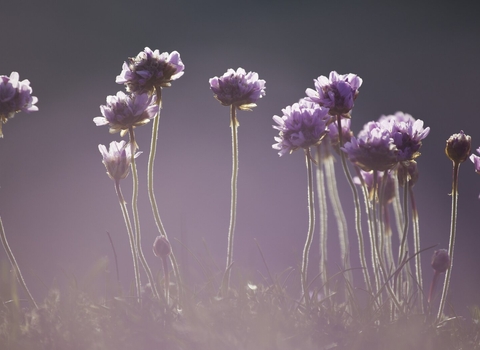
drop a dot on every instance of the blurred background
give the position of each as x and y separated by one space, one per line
57 203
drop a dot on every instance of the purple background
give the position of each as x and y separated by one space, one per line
56 201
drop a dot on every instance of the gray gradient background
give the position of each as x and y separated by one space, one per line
56 201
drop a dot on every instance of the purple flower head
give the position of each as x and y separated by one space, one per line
440 260
15 96
458 147
239 88
336 92
161 247
117 159
407 134
123 111
373 149
150 70
302 125
333 132
388 189
476 161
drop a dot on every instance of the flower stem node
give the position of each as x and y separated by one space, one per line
458 147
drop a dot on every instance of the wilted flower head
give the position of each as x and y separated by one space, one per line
302 125
123 111
117 159
161 247
407 171
476 161
458 147
150 70
336 92
407 134
239 88
373 149
15 96
440 260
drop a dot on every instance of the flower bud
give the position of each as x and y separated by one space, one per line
458 147
161 247
440 260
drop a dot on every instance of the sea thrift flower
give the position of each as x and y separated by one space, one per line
389 189
150 70
336 92
407 134
458 147
15 96
332 134
440 260
476 161
373 149
123 111
302 125
117 159
239 88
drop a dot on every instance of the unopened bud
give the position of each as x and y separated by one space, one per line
440 260
458 147
161 247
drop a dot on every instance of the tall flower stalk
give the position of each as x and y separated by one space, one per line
238 90
457 150
15 96
303 125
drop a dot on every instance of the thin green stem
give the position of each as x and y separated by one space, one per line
311 227
451 245
151 192
233 203
14 263
131 237
323 216
358 215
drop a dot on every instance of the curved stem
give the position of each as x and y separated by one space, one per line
136 218
14 263
323 216
451 245
233 203
358 215
311 227
151 193
131 237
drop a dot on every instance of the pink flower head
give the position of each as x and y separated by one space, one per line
117 159
302 125
373 149
15 96
336 92
150 70
123 111
476 161
440 260
238 88
161 247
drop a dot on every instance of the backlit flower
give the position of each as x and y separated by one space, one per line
336 92
150 70
161 247
238 88
373 149
458 147
117 159
123 111
407 134
476 161
302 125
15 96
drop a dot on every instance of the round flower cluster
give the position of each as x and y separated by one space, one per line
123 111
238 88
383 144
150 70
302 125
15 96
337 92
